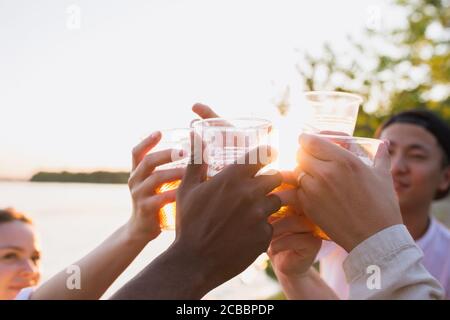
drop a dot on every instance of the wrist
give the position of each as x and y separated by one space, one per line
193 271
293 275
384 218
357 238
134 236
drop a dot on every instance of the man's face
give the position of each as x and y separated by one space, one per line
416 164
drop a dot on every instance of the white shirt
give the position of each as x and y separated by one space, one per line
435 244
388 265
24 294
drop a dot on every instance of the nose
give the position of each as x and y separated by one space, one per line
398 164
29 270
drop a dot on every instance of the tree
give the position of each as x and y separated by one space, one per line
403 68
394 70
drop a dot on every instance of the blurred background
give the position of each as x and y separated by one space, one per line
82 82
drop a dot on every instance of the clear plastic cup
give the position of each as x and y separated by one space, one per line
332 110
364 148
176 139
228 140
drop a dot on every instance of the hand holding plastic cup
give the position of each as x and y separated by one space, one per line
364 148
178 139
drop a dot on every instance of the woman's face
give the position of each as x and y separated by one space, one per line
19 258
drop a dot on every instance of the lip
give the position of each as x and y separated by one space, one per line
18 288
400 185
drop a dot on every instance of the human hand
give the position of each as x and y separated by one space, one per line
293 247
349 200
144 182
222 222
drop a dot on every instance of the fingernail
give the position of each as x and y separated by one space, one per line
154 135
387 142
302 137
268 172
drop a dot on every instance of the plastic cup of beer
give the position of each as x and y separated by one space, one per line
228 140
178 139
332 110
364 148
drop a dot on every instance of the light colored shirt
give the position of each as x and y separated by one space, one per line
398 258
435 244
25 294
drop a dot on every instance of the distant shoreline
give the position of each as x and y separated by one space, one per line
13 180
100 177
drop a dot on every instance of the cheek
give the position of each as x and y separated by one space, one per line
37 276
7 274
424 177
419 174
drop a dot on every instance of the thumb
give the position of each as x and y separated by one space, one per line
382 162
197 167
204 111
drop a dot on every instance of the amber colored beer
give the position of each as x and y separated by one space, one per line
284 210
167 216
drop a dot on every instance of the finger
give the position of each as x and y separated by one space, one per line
306 194
160 181
301 243
155 203
167 197
272 204
151 161
382 161
308 184
196 170
144 147
334 133
288 197
263 184
308 164
289 177
291 224
253 161
321 148
204 111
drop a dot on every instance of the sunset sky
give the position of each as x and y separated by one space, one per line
78 94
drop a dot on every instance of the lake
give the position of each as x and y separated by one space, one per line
74 218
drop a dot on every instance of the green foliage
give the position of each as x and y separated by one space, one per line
394 70
271 273
269 270
94 177
278 296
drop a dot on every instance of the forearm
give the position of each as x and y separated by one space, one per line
97 271
308 286
172 275
388 266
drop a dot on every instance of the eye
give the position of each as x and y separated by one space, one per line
10 256
36 259
418 156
